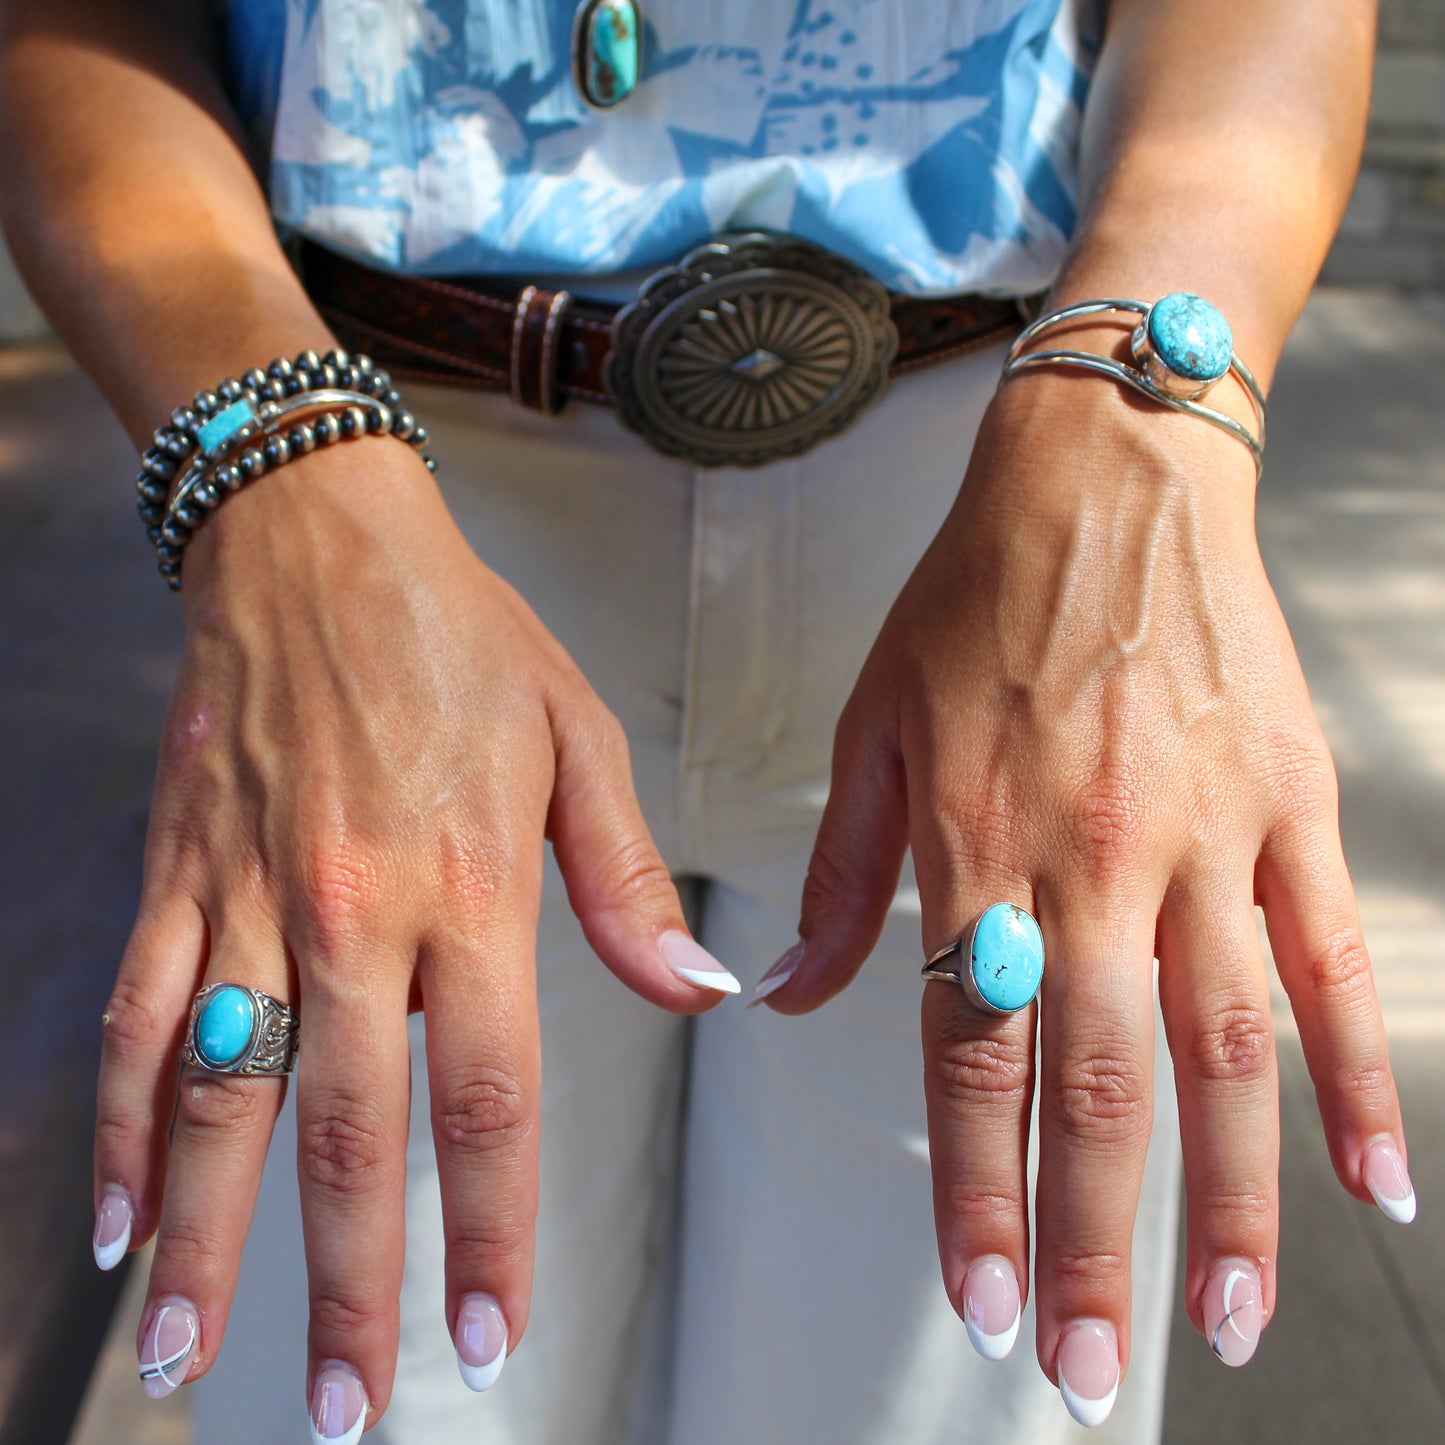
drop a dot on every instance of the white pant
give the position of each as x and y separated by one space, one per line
735 1244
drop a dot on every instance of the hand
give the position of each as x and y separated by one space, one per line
369 736
1086 701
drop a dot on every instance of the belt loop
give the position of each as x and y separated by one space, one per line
536 323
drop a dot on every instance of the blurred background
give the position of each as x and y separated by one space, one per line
1352 524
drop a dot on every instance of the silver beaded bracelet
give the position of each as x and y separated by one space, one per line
250 425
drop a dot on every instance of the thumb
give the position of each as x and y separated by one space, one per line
618 885
852 874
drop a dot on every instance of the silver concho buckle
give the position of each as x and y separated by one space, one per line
751 348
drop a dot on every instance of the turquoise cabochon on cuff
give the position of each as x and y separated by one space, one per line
1191 336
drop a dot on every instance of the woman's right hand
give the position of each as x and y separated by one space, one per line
370 736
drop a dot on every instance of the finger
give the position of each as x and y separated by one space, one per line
1215 997
353 1096
484 1068
852 873
618 885
978 1087
218 1149
1095 1072
142 1032
1319 950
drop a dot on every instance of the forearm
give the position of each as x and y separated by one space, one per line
130 205
1220 145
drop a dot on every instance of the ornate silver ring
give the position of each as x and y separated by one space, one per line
236 1029
752 348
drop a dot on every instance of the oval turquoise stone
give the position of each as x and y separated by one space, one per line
1008 956
612 51
1191 336
224 1026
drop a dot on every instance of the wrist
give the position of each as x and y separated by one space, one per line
317 521
1085 433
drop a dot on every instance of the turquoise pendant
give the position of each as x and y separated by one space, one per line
607 51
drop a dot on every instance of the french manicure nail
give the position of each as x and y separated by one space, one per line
113 1218
1234 1310
690 960
1388 1180
481 1341
168 1344
338 1405
778 974
991 1308
1089 1370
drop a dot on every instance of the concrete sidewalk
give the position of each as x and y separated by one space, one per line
1352 522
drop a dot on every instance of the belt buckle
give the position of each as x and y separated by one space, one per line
753 347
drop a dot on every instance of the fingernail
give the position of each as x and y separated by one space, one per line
690 960
113 1218
481 1341
338 1405
991 1308
1089 1370
167 1346
1234 1310
778 974
1389 1181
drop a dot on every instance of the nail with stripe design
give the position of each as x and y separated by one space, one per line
168 1344
1234 1310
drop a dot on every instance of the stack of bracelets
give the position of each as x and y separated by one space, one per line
252 424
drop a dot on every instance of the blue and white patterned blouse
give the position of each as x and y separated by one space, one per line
931 141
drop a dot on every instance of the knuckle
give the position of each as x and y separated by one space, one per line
1365 1086
1340 970
827 886
342 1147
340 883
1086 1271
219 1103
191 1251
131 1023
336 1317
1101 1097
1236 1046
1237 1210
978 1211
478 1251
971 1070
1303 781
1107 822
486 1111
633 873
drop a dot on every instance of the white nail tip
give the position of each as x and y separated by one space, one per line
720 979
350 1438
769 986
993 1347
482 1377
1088 1413
107 1256
1402 1211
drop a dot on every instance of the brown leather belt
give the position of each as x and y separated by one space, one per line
546 345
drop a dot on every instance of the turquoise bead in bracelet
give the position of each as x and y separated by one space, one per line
250 424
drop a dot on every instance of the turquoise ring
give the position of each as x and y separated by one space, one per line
236 1029
999 962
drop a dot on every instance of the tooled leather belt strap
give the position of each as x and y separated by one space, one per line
753 347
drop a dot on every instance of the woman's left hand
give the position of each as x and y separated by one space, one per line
1085 701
